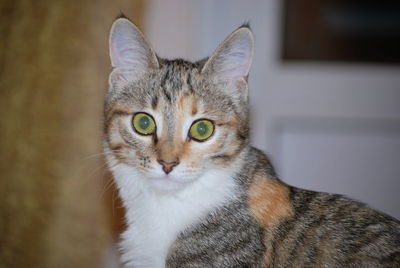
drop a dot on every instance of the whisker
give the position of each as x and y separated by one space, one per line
91 156
106 186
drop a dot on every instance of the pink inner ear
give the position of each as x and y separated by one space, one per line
241 82
129 49
117 75
126 51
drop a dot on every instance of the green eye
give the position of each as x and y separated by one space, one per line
144 124
201 130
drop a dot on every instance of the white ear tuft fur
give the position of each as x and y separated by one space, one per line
129 51
231 61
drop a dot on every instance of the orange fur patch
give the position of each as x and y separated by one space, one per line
269 201
181 100
194 107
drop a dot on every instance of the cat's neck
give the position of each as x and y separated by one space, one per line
154 220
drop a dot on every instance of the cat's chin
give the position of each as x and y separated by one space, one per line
165 184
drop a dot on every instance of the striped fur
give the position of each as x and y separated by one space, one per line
222 205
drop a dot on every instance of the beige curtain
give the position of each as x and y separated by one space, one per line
54 208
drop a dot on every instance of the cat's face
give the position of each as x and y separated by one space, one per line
173 121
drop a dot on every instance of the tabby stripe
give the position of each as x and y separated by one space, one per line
393 258
189 82
289 226
164 79
154 102
167 95
308 230
163 85
114 113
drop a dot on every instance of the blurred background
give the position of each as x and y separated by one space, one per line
325 104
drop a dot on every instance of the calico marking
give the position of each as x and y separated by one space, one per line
269 201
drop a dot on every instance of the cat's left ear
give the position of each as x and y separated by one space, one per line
229 65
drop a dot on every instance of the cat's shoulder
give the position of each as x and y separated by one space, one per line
268 198
271 201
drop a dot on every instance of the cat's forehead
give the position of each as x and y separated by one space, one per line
174 78
173 83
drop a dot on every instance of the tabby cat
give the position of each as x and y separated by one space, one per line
196 193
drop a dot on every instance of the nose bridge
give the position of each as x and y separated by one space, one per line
169 146
168 155
168 151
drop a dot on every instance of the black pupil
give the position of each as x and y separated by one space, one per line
144 122
202 128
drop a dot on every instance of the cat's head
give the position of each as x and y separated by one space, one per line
171 121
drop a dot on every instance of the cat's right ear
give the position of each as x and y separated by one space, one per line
229 65
130 53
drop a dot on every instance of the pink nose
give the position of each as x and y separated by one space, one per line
167 166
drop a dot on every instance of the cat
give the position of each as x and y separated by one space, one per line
196 193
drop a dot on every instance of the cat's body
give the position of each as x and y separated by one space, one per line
196 193
275 225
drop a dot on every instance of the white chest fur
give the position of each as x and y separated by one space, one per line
155 220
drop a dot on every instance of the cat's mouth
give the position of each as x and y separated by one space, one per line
167 183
